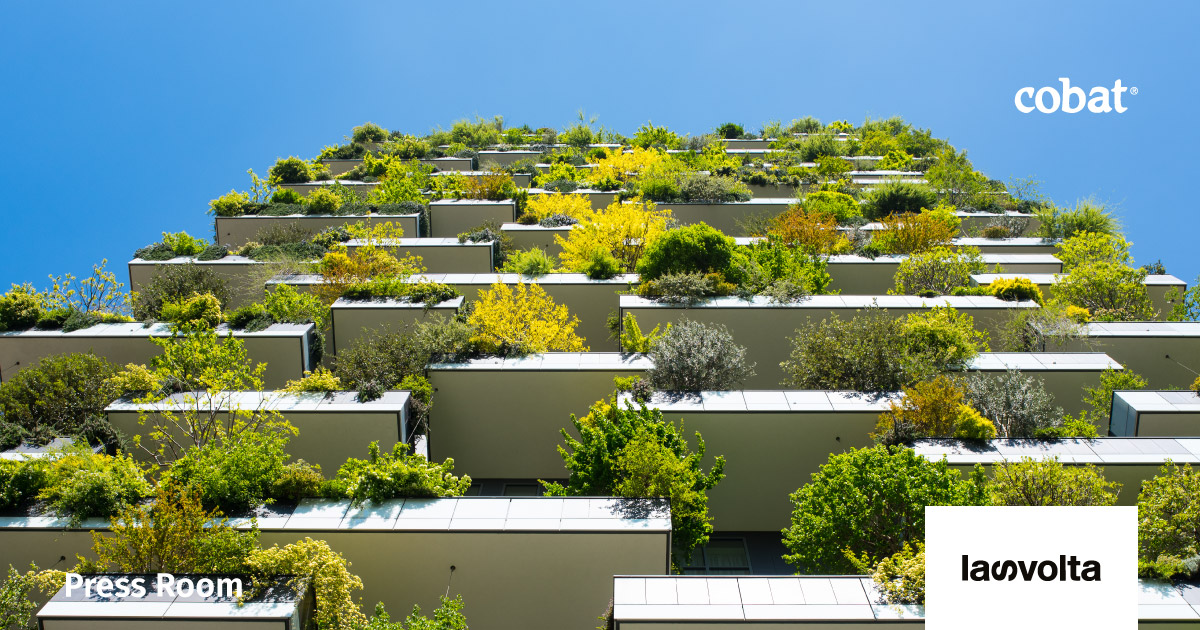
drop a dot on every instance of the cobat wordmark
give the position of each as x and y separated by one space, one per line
1067 568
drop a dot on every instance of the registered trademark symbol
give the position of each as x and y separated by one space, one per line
1133 90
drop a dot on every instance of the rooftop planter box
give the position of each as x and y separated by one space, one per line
244 276
441 255
332 428
748 143
278 607
530 236
1129 460
352 319
1157 286
1017 245
486 410
362 189
772 442
1162 352
1065 374
450 217
287 349
859 275
600 199
726 217
881 177
522 180
756 602
450 163
763 328
564 549
233 232
817 603
507 158
1156 414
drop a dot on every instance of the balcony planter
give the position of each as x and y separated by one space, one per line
287 349
1157 414
530 236
522 180
450 163
506 158
502 550
1157 286
748 143
1017 245
1128 460
1065 374
450 217
599 199
351 320
486 410
361 189
1164 353
858 275
726 217
763 328
244 276
772 441
440 255
332 427
233 232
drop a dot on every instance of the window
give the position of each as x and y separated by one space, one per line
721 556
522 490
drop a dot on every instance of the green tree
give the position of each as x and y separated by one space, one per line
1048 482
1169 523
865 505
22 594
633 452
693 248
1100 398
62 396
1109 291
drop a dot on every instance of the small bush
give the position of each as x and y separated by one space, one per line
557 220
927 409
83 485
996 231
938 271
693 356
369 132
231 204
685 288
601 265
1045 482
913 234
521 320
864 353
395 475
542 206
694 248
943 338
318 380
533 263
1015 290
212 252
61 396
291 170
730 131
20 308
183 244
840 206
233 473
898 198
972 426
198 310
1018 404
286 196
1169 523
322 201
298 480
812 232
173 283
901 576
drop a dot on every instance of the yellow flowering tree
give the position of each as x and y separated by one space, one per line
341 268
522 319
621 166
624 229
574 206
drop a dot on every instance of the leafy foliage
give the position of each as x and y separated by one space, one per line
522 319
291 170
174 283
318 380
901 576
913 233
938 271
396 475
689 249
898 198
1030 482
1017 403
326 571
867 504
1169 523
693 357
633 452
233 472
622 229
61 396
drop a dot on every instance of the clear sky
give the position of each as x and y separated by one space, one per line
122 119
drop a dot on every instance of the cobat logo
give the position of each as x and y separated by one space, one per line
1098 100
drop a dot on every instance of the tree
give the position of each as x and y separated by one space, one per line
1100 398
1017 403
1048 482
1169 523
1109 291
521 320
62 396
633 452
624 229
23 593
938 271
866 504
692 248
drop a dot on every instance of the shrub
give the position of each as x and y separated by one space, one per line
622 229
233 473
154 251
212 252
901 576
396 475
292 170
522 320
1032 482
809 231
322 201
61 396
1015 290
22 594
312 563
172 283
318 380
198 310
996 231
630 334
1087 216
896 160
20 308
866 504
557 220
183 244
1018 404
648 136
1093 247
689 249
864 353
494 187
533 263
543 206
82 485
601 265
685 288
840 206
381 360
286 196
694 356
938 271
231 204
633 452
1109 292
898 198
369 132
22 480
730 131
943 338
913 234
702 188
972 426
927 409
1169 523
1100 398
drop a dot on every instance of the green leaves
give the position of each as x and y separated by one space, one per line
395 475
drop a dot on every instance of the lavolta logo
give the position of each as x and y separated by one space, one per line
1046 570
1072 99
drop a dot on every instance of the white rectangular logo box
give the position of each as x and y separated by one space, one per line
1031 568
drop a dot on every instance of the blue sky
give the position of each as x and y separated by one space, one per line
121 120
